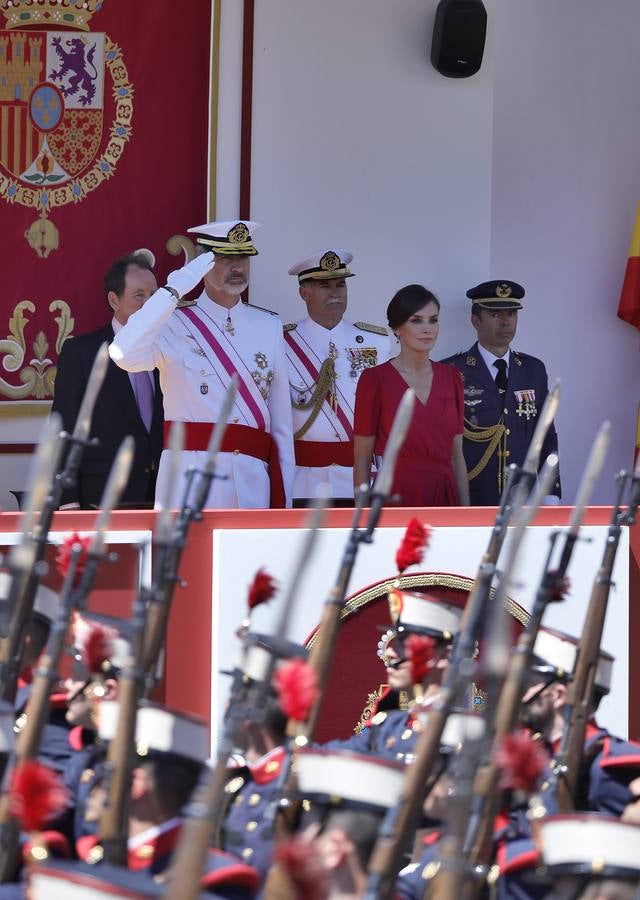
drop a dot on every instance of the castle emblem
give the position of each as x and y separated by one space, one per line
66 108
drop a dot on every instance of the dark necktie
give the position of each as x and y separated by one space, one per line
501 374
144 397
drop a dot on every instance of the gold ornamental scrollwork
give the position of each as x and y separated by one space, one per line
180 243
64 321
38 375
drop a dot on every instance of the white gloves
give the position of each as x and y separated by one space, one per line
185 279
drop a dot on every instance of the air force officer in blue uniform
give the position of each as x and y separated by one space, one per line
504 391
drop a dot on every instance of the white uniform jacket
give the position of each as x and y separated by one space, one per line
354 348
194 378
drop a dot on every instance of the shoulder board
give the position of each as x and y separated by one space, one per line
182 303
519 355
262 309
290 326
374 329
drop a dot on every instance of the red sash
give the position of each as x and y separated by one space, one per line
324 453
222 356
239 439
314 375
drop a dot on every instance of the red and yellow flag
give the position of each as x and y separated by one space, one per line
629 306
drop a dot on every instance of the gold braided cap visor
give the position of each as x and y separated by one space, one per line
325 274
227 248
497 303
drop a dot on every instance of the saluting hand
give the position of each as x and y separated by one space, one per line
185 279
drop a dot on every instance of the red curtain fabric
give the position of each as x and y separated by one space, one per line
104 110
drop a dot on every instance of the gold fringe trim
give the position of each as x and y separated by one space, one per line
494 435
422 580
326 379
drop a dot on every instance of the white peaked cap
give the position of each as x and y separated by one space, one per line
159 730
340 776
558 650
423 614
323 265
46 603
589 843
66 880
233 238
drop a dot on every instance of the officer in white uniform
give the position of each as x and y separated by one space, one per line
326 354
197 347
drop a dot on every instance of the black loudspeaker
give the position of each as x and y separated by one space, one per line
459 32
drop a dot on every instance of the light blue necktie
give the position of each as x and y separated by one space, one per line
144 397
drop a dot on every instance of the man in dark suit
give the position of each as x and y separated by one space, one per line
504 391
128 403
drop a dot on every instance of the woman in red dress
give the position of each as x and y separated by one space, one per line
430 470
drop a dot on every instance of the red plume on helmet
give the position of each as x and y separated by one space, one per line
297 686
97 647
37 795
521 762
63 554
421 650
413 544
263 588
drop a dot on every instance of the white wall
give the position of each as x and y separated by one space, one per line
566 181
358 142
527 170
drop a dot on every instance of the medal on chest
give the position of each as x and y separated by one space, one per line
361 358
526 403
262 374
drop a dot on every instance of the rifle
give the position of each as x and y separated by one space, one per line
171 539
579 699
46 675
150 615
398 825
300 733
24 563
322 651
207 807
484 799
27 558
520 481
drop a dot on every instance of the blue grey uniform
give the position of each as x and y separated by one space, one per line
252 790
389 735
498 427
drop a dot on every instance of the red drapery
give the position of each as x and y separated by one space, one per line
103 149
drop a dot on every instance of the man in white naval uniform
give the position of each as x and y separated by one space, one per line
326 355
196 348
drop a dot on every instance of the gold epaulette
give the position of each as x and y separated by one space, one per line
290 326
374 329
262 309
182 303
